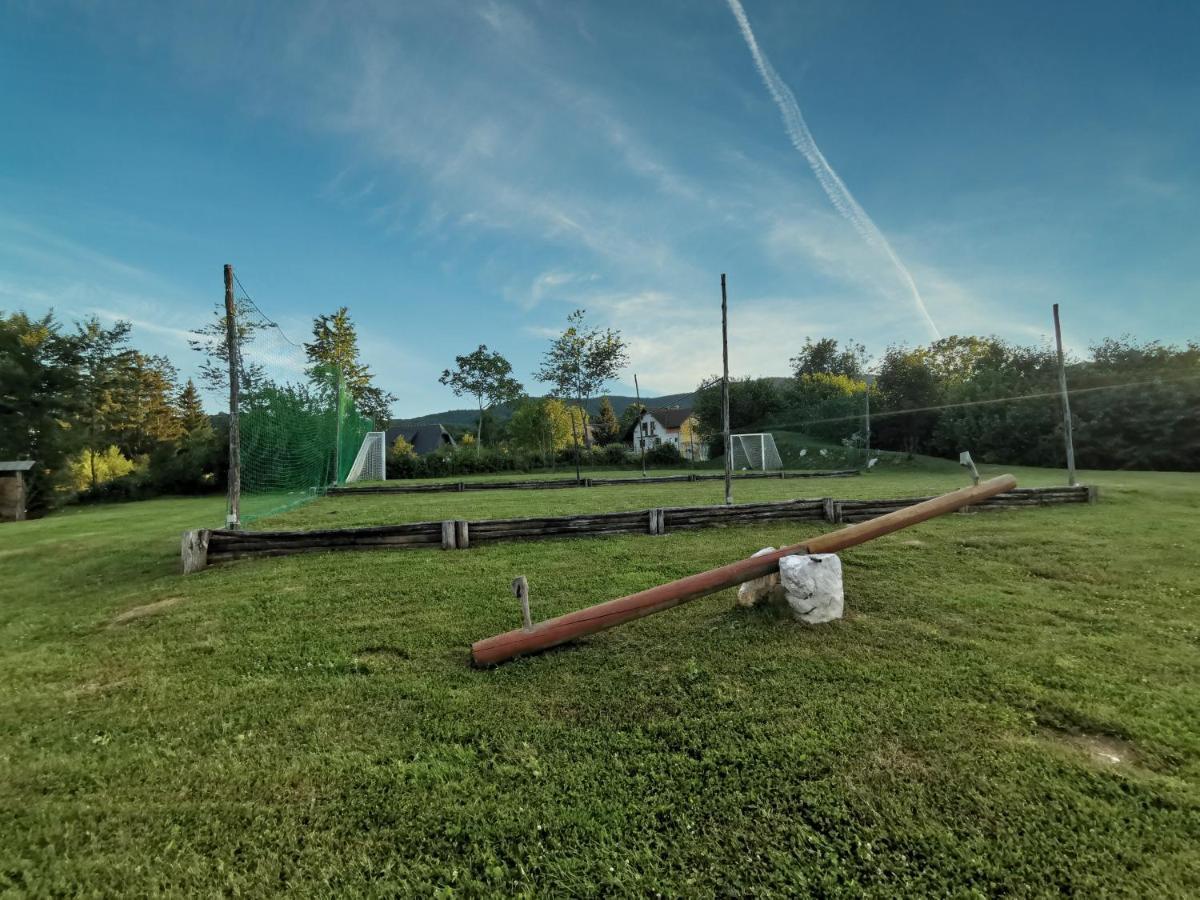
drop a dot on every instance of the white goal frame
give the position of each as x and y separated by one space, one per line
370 464
764 443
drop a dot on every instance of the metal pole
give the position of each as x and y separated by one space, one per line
725 394
233 518
1066 403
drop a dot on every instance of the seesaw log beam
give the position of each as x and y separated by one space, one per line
553 632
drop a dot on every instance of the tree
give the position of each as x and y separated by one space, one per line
826 357
579 363
751 402
607 428
907 388
333 353
212 341
40 398
541 426
147 416
192 417
105 376
486 376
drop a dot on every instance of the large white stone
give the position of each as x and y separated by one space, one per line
757 589
813 586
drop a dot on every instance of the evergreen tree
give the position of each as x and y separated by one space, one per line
333 353
606 426
192 417
105 378
147 416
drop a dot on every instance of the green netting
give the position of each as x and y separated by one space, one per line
300 430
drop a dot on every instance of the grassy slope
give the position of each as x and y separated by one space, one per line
311 721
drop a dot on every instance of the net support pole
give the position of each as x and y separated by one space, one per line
337 428
725 395
637 429
233 518
1066 402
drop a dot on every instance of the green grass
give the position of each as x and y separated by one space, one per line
312 723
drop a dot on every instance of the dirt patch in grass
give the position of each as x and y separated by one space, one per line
1100 749
142 612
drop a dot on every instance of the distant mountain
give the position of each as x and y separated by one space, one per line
471 416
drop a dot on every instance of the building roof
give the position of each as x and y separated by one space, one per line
424 438
671 418
16 465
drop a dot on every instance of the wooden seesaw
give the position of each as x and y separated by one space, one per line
552 632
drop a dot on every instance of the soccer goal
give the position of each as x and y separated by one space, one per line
755 452
371 462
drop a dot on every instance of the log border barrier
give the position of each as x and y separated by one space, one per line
204 546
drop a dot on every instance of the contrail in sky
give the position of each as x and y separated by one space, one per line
802 140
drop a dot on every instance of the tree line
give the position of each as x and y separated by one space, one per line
104 420
1134 405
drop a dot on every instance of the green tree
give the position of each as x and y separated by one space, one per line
606 427
541 426
827 357
192 417
751 402
333 354
579 363
40 398
485 375
211 341
147 415
106 377
907 391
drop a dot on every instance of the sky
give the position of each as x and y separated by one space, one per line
470 171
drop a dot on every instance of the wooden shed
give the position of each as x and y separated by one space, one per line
12 489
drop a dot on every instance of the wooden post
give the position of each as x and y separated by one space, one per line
1066 403
637 429
725 394
233 517
337 428
194 550
462 535
653 519
448 535
590 620
520 588
662 521
829 508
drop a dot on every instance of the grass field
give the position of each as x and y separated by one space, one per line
1010 705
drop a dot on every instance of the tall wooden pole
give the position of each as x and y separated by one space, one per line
233 519
725 394
1066 403
637 430
337 428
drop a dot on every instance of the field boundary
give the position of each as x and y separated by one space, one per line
206 546
552 483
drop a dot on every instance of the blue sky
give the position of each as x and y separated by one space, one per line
469 172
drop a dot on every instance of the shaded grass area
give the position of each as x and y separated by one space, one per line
311 722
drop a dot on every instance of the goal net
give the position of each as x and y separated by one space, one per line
371 462
755 452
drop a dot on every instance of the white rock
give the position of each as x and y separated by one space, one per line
813 586
757 589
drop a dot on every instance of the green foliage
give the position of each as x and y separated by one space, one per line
581 361
41 401
333 355
751 401
826 357
485 375
606 426
192 418
92 468
828 407
664 455
540 426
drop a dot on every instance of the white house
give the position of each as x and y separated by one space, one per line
677 427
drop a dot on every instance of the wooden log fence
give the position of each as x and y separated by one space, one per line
204 546
555 483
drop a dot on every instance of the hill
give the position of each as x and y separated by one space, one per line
470 416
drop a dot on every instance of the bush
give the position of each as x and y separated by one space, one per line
664 455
